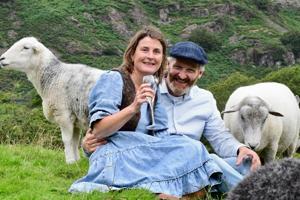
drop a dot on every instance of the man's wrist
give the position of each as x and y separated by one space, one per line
238 151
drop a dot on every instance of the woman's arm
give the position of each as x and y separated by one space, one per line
112 123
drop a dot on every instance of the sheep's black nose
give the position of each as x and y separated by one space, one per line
252 147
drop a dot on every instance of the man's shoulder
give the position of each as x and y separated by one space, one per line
196 91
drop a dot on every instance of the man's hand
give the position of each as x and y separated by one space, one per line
90 142
245 152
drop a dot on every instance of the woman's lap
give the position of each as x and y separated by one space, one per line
172 164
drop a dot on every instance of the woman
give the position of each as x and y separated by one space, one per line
135 157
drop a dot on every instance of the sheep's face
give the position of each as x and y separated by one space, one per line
22 56
252 117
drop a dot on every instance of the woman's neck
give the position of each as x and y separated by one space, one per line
136 78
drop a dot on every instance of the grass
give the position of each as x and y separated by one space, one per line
33 172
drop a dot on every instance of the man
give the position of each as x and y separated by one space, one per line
192 111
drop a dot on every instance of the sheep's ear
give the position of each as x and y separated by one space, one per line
276 113
297 98
34 49
228 111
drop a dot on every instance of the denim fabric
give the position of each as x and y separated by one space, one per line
201 117
171 164
232 174
243 168
162 163
106 96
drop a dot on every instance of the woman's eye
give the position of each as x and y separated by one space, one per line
157 51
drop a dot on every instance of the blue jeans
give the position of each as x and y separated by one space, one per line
232 173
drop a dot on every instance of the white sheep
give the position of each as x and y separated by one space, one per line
276 180
265 117
298 146
63 87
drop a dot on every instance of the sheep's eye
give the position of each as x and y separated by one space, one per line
264 120
242 117
25 47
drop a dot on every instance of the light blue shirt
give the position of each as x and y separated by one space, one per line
196 114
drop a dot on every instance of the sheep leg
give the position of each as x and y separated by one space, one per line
67 137
292 148
270 153
76 137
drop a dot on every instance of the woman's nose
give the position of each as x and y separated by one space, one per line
150 54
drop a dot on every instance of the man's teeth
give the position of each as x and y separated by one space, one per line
180 81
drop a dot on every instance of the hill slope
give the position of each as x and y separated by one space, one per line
244 36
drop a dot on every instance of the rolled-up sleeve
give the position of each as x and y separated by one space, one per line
222 141
106 96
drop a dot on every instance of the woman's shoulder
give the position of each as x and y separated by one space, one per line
111 75
108 81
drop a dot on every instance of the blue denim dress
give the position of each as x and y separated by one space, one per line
160 162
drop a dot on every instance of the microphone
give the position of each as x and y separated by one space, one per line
150 79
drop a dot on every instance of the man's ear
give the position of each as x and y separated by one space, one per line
168 64
200 74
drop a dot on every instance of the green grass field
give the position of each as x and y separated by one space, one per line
29 172
82 31
32 172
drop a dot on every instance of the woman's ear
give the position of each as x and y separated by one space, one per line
131 57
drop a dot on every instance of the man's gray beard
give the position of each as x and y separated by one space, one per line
173 88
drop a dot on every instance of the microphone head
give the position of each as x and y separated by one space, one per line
151 80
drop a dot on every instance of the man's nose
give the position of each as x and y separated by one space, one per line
182 74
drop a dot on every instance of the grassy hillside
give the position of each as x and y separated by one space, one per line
96 33
243 39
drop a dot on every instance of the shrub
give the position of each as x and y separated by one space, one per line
262 4
223 89
276 50
289 76
292 41
209 41
21 125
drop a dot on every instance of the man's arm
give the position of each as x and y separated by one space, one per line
224 142
90 143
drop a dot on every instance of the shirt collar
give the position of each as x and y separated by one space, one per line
164 90
163 87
